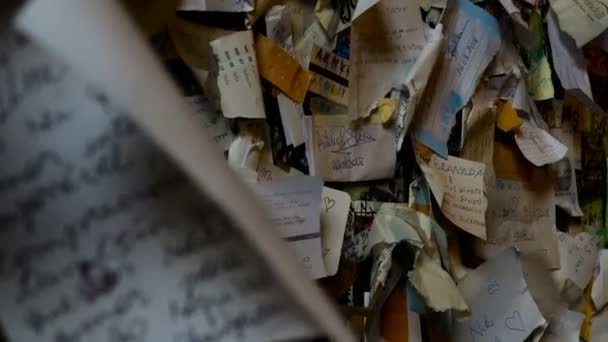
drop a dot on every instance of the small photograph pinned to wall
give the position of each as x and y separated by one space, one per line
97 279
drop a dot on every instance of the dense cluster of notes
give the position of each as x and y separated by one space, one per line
276 170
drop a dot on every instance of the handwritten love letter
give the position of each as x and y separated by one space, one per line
102 238
502 308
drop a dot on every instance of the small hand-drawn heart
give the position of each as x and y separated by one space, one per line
329 203
515 322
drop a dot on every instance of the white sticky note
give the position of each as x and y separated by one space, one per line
599 291
538 146
335 205
473 38
502 308
294 204
238 80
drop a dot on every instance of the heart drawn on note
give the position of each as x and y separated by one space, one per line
515 322
329 203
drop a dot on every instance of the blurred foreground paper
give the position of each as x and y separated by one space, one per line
583 20
502 308
135 79
218 5
473 38
114 215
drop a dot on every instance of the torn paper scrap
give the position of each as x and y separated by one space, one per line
384 110
385 43
502 308
394 222
238 79
279 68
436 286
314 35
334 215
507 118
411 92
599 291
565 326
464 201
538 146
343 151
583 20
213 121
294 205
568 60
473 38
217 5
245 151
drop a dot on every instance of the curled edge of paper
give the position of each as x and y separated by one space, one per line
436 286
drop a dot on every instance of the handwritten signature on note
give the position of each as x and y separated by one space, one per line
343 139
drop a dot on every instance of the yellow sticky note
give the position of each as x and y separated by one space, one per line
281 69
507 118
